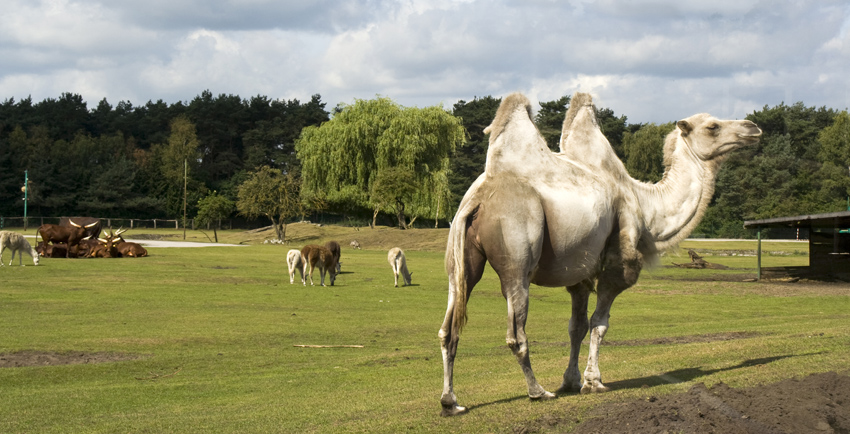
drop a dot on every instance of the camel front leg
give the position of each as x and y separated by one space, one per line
517 298
598 328
578 330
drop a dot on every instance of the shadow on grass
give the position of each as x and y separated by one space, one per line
498 401
676 376
690 374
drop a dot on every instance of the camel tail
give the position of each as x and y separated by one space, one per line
456 267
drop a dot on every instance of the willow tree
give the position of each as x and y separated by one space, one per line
351 159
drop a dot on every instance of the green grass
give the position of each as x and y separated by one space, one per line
214 331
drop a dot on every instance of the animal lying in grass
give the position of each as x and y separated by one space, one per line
17 244
399 264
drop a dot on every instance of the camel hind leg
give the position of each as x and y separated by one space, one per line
473 269
578 328
516 293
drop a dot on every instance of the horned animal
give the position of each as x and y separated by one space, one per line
64 234
17 244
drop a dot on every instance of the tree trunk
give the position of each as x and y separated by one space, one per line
215 234
402 222
276 227
374 218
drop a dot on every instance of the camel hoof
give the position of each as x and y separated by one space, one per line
587 388
544 397
568 389
453 410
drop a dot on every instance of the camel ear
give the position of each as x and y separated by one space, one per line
685 127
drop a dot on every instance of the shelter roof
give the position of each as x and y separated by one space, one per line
841 218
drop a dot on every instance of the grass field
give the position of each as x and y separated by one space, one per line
200 340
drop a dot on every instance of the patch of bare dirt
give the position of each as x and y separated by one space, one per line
818 403
45 358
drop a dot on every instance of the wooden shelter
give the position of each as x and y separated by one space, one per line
829 243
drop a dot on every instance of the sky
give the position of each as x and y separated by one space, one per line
652 61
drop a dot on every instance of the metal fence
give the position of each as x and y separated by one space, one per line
35 222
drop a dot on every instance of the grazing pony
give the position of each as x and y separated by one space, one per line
399 264
16 243
294 262
312 256
333 246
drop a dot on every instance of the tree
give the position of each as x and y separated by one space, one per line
212 209
834 156
182 149
271 193
467 161
550 120
344 157
644 151
392 189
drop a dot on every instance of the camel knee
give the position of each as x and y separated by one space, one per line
520 349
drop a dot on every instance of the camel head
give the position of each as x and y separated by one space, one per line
710 137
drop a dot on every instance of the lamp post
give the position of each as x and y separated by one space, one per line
26 192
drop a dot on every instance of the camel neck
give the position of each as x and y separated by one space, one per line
673 207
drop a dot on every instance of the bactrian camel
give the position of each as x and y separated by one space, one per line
572 219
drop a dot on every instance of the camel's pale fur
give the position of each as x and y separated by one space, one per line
294 262
397 260
572 219
17 244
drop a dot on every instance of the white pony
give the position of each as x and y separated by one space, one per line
294 262
399 264
16 243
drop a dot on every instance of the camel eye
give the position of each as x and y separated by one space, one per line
713 127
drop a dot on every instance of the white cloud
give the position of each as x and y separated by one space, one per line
649 60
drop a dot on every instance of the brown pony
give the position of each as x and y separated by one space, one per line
322 257
333 246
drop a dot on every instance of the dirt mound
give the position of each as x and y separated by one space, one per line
819 403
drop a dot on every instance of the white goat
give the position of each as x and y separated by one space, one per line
294 262
16 243
399 264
